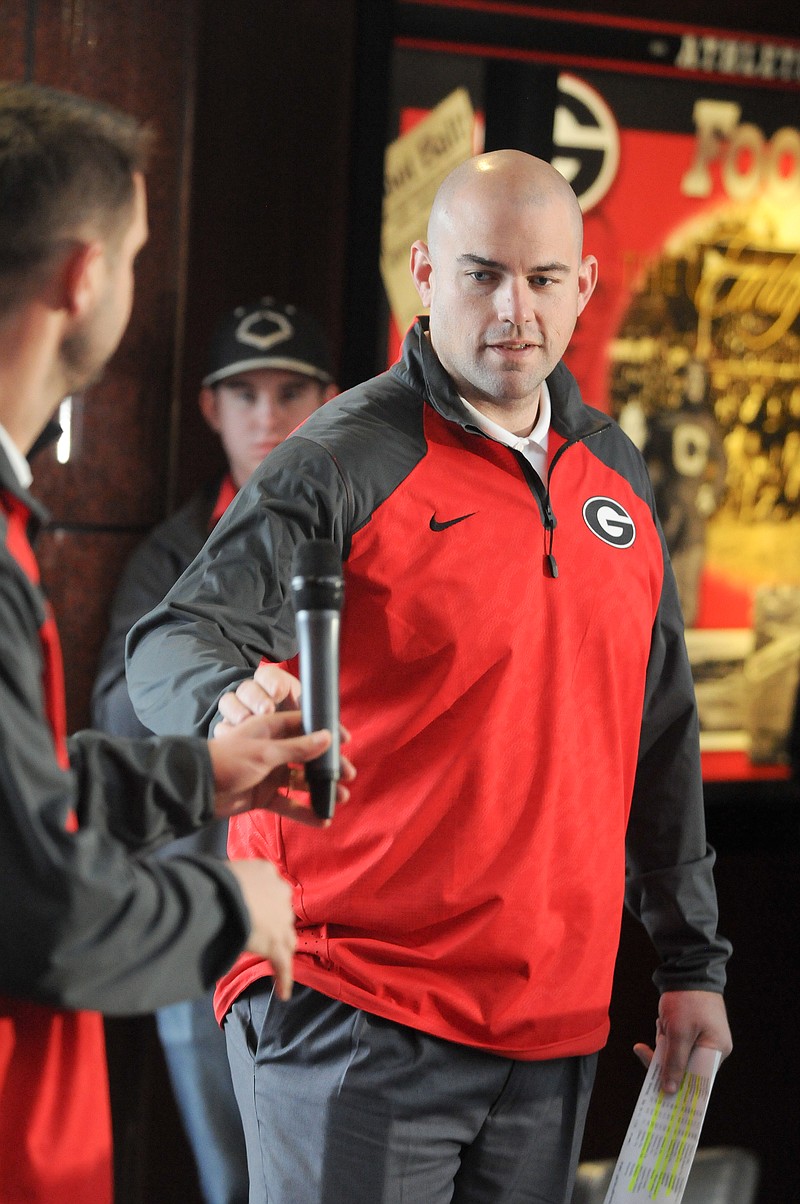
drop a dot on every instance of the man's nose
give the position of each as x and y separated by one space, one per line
265 410
515 303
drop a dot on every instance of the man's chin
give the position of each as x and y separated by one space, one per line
82 362
79 379
514 387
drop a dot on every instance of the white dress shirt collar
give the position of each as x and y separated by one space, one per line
533 446
19 465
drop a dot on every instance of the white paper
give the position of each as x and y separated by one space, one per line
661 1141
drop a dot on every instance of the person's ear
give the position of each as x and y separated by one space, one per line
422 271
208 407
587 280
81 278
329 391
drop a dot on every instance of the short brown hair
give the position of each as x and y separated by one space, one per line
66 165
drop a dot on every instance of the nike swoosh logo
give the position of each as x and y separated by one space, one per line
435 525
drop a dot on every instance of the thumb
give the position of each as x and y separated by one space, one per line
644 1053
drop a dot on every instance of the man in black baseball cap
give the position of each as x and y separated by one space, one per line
268 334
269 368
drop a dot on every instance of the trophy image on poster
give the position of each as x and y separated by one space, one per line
705 377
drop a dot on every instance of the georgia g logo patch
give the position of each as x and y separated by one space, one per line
609 521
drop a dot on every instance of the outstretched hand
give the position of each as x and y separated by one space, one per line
256 760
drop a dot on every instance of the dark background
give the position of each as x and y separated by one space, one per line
272 117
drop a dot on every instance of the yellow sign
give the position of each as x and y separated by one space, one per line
414 166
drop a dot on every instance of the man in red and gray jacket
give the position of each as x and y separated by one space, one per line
514 675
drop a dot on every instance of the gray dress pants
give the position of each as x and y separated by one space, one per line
342 1107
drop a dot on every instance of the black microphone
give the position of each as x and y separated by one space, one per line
317 590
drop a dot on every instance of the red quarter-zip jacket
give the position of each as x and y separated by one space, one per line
515 680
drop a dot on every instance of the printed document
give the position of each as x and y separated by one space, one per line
662 1137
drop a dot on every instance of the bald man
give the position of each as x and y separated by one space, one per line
516 683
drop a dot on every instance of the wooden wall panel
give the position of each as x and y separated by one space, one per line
271 177
15 26
139 56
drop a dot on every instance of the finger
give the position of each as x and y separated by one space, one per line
283 737
278 684
252 695
676 1058
298 783
347 770
279 725
301 748
282 960
261 728
347 773
644 1053
232 710
301 813
285 724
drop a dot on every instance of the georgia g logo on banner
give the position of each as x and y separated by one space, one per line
585 140
609 521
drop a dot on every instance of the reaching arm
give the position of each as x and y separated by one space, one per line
91 926
232 607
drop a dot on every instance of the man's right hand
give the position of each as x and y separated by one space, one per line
269 689
272 934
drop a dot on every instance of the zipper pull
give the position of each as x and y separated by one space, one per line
550 559
549 517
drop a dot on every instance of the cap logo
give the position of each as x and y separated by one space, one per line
264 329
609 521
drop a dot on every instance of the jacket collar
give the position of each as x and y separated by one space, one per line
420 368
9 483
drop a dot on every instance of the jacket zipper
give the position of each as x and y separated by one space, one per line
542 492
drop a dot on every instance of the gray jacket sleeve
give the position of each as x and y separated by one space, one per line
670 885
231 607
90 925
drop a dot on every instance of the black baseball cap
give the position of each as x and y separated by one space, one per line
268 334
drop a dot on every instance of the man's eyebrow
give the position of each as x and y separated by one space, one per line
478 261
236 382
